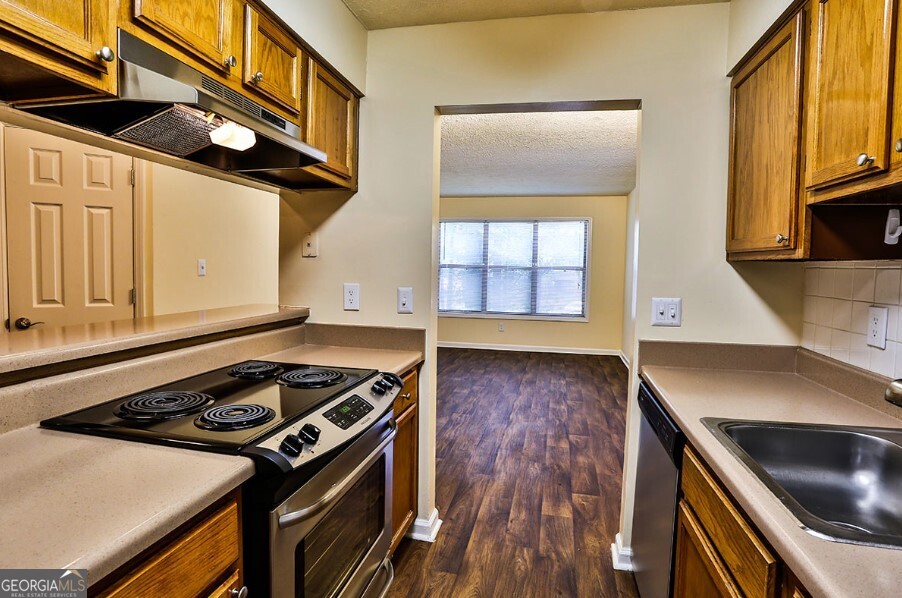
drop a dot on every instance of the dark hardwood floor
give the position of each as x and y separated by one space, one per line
529 460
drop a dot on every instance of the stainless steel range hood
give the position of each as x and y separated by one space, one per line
168 106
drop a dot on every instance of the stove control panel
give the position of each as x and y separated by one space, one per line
335 422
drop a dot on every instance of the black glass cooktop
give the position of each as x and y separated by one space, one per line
222 410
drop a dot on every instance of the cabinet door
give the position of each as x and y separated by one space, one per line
332 120
201 27
404 475
72 32
765 146
849 134
698 570
272 61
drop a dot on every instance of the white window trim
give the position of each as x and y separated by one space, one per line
538 317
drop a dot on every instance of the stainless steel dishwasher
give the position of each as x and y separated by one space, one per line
657 483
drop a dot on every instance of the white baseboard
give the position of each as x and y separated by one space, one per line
425 530
621 557
625 361
530 348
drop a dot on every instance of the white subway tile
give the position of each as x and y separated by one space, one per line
824 311
886 289
809 309
811 278
841 354
822 338
863 284
808 335
825 279
859 317
865 264
840 339
892 322
842 283
897 370
842 315
883 361
887 264
843 265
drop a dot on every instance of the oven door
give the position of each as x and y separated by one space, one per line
332 536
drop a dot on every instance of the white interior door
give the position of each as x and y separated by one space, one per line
70 235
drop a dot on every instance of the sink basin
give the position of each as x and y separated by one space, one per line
842 483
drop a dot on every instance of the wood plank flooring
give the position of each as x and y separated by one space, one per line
529 458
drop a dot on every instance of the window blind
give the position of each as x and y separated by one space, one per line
514 267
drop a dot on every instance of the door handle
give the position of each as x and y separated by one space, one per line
25 323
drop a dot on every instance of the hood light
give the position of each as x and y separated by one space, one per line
233 136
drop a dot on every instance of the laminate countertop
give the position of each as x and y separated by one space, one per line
825 568
74 501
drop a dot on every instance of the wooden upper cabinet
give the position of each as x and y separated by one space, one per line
851 81
273 62
201 27
332 121
766 108
67 36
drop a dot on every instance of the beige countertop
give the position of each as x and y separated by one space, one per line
44 346
825 568
74 501
384 360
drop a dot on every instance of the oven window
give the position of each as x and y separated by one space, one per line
330 553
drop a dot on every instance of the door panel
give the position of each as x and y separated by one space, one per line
69 230
851 83
202 27
273 61
764 156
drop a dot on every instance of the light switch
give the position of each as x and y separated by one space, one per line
405 300
310 247
666 311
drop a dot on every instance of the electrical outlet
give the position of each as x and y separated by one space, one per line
877 319
310 245
405 300
500 326
666 311
201 267
352 296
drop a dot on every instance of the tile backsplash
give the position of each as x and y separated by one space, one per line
837 297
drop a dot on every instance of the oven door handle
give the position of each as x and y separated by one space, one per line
295 517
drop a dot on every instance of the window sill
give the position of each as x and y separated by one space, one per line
485 316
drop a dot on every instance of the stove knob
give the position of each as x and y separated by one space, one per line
388 382
378 389
291 445
309 434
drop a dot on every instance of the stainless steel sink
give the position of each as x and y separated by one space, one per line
842 483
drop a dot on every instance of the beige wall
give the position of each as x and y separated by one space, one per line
630 276
673 59
332 30
235 228
749 19
603 332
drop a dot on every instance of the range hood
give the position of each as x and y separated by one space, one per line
165 105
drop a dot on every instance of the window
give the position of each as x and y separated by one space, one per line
527 268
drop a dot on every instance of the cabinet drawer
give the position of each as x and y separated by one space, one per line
224 590
190 564
409 394
748 559
700 570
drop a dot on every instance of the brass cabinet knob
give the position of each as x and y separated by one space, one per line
238 593
781 238
258 76
231 62
106 54
865 160
898 145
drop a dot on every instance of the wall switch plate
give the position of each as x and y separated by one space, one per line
877 319
201 267
500 326
310 245
405 300
352 296
666 311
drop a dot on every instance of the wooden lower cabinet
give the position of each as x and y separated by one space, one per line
406 448
718 551
204 560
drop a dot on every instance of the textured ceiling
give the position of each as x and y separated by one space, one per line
384 14
539 153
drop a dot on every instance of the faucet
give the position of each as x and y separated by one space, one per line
893 393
